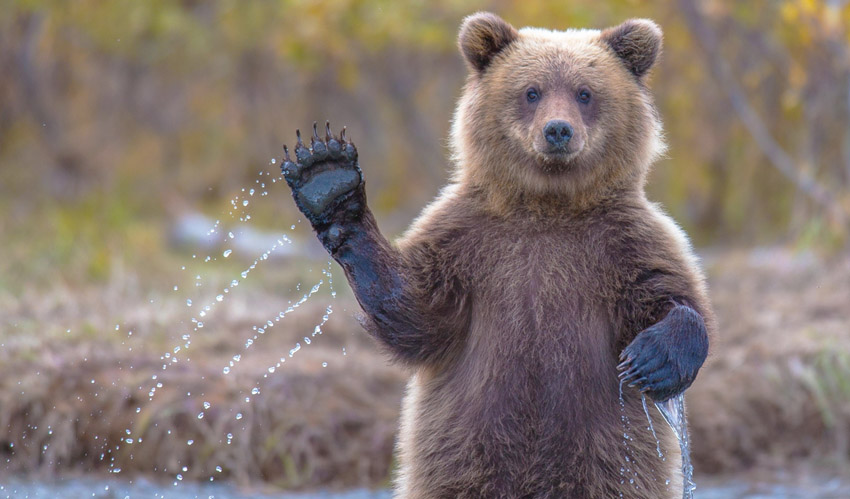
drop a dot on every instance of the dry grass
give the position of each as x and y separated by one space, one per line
776 389
325 416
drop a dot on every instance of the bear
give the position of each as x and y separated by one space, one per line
540 297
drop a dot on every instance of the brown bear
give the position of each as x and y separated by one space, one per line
539 274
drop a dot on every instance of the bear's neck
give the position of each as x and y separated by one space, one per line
507 197
518 204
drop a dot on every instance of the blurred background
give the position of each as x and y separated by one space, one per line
139 155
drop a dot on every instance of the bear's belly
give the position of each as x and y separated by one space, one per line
530 409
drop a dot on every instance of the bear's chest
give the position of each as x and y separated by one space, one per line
541 311
541 281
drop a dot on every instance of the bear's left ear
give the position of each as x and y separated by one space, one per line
637 42
482 36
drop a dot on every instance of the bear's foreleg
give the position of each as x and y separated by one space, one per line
327 185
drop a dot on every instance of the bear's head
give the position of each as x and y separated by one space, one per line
563 114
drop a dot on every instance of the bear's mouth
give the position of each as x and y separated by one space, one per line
557 161
565 153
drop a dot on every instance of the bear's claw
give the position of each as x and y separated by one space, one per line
325 179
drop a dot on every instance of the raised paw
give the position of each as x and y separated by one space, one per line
663 360
325 179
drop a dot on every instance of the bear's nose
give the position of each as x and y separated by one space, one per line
558 132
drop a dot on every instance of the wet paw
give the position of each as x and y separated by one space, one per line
325 179
663 360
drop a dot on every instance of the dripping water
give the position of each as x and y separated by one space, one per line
652 428
626 471
673 411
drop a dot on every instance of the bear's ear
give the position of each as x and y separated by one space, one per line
637 42
482 36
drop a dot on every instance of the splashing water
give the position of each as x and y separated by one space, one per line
204 307
673 411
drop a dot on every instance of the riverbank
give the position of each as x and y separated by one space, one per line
89 383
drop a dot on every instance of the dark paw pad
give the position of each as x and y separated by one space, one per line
325 178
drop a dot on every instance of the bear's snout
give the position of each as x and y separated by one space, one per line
558 133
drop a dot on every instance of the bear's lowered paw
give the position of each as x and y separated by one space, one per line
663 360
326 182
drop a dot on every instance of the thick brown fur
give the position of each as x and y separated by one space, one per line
514 293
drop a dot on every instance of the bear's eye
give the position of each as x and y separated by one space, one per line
532 95
584 96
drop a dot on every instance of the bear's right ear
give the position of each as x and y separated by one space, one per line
637 42
482 36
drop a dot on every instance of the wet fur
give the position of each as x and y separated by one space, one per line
513 295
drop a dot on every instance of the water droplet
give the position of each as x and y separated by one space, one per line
207 405
226 370
200 415
245 203
255 391
218 469
324 364
227 253
190 442
219 298
188 302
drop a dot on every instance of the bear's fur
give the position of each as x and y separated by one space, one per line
514 294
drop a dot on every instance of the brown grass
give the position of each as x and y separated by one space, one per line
67 399
776 389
